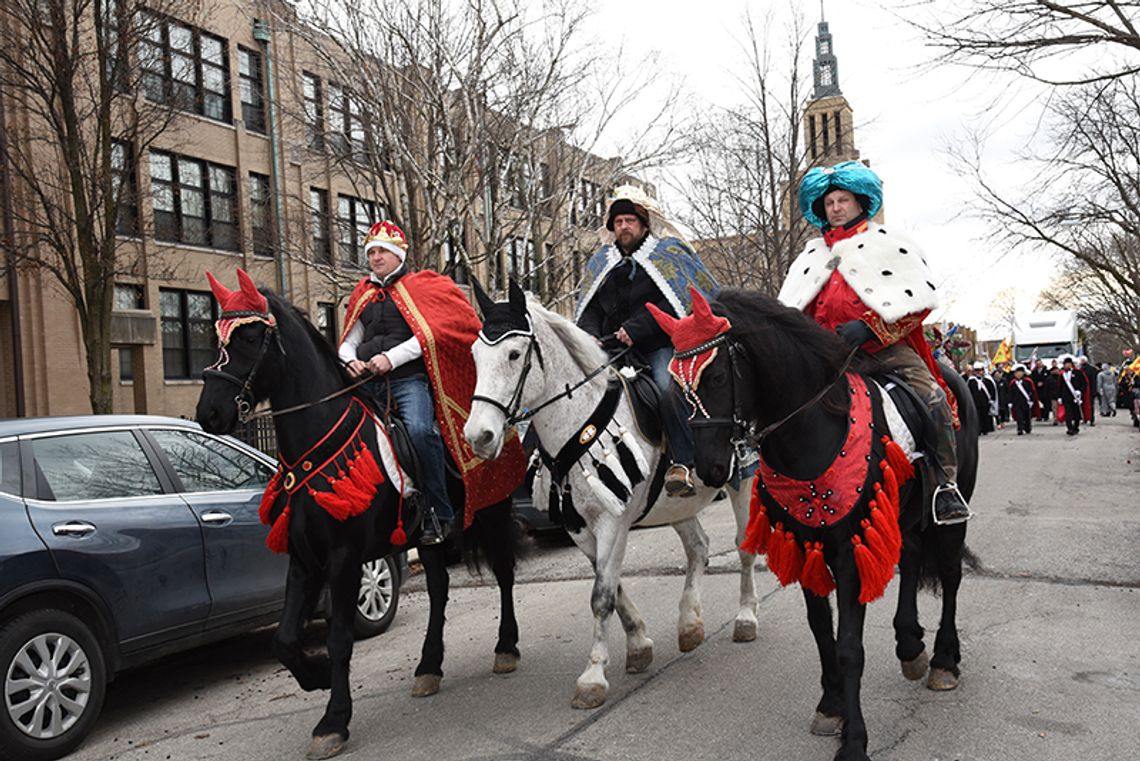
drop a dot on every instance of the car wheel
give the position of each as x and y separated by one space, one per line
54 682
378 599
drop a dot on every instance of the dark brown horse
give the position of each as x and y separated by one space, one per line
281 357
773 363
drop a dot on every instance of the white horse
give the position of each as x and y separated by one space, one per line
528 355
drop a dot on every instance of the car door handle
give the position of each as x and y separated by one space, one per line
217 517
73 528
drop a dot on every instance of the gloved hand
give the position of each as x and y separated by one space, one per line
855 333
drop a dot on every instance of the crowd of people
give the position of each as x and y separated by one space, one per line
1068 390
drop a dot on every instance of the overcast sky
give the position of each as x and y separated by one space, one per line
905 116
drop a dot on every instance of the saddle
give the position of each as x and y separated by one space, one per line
645 399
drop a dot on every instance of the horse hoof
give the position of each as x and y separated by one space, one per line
426 684
915 669
505 663
941 680
744 631
325 746
589 696
637 661
688 639
826 726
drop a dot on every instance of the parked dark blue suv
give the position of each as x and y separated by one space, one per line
122 539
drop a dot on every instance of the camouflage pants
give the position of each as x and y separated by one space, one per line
904 362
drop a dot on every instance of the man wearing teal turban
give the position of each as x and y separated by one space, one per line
873 288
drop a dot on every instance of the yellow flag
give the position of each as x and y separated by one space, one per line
1002 355
1135 366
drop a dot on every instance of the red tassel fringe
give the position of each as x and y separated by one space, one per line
872 576
757 534
816 577
272 489
785 558
898 461
278 539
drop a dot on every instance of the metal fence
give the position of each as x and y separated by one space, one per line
258 433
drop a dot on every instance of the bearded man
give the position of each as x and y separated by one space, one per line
872 287
646 260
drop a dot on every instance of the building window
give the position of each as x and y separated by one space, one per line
184 67
326 322
314 110
838 132
261 215
826 133
124 191
824 47
826 78
353 217
346 124
812 137
250 84
319 223
193 201
127 297
521 262
189 343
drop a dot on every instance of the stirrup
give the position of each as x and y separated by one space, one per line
948 487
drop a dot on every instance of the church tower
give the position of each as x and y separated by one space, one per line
828 119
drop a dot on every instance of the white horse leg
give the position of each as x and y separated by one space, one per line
690 625
638 647
610 535
747 625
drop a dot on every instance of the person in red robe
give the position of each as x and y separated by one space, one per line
872 287
413 331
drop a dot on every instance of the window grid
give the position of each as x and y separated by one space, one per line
185 67
261 215
189 343
319 225
314 110
354 216
194 201
326 322
250 83
124 190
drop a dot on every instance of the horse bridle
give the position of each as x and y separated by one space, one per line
244 400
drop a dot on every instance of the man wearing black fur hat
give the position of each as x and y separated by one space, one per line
646 261
1073 388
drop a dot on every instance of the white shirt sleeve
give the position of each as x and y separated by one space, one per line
347 349
403 353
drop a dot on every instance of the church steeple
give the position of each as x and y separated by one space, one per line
825 67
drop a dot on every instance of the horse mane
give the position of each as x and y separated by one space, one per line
785 345
582 347
283 309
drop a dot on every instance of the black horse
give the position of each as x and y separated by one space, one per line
778 361
292 364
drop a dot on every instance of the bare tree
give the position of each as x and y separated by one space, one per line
88 110
747 162
1031 37
477 120
1085 200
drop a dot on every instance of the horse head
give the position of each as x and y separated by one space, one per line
508 366
714 375
249 356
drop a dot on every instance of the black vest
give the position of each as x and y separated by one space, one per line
384 328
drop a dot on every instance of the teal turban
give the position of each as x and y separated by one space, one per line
852 176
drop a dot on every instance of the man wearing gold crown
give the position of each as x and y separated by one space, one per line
645 260
873 288
414 331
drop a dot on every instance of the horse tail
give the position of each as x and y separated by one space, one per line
929 575
494 535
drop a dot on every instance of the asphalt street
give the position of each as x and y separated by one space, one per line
1051 668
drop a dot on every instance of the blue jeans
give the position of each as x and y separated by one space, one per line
674 417
416 409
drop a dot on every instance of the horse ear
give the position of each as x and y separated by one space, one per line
221 293
667 321
701 306
249 290
485 302
518 298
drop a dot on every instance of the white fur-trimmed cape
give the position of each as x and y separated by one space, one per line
886 269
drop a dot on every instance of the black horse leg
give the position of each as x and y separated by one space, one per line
496 536
908 630
850 649
301 590
829 711
947 652
435 571
344 588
